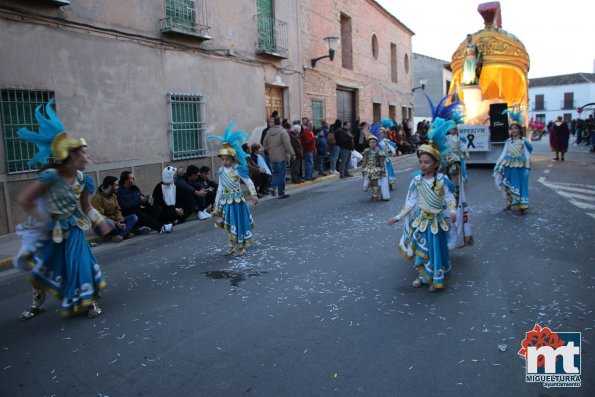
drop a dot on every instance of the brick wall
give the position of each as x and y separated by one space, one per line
369 78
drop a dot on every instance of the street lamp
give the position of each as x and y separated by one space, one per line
332 42
422 85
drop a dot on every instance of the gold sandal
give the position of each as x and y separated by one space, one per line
31 312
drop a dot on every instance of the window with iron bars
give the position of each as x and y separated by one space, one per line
317 113
187 126
17 110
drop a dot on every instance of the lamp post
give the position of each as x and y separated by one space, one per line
422 85
332 42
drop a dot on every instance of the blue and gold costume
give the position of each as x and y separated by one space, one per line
64 264
231 211
511 172
426 230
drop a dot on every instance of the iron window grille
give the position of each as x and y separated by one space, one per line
186 17
187 126
17 110
272 36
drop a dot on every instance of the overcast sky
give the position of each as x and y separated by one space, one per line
558 35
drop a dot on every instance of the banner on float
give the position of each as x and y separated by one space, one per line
478 137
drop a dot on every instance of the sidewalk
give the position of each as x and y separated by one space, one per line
10 243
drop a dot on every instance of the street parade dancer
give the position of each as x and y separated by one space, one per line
452 166
457 144
231 211
373 167
428 206
511 172
60 210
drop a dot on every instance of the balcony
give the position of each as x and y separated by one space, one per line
272 37
186 17
539 106
568 104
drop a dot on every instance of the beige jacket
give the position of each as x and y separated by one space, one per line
277 144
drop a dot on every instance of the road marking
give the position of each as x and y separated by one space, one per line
405 170
578 194
546 171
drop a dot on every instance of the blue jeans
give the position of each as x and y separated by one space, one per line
129 221
320 159
334 154
309 165
345 156
279 168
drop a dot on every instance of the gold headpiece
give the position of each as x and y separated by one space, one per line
372 137
227 150
62 144
431 149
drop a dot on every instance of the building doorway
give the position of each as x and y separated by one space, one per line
346 105
274 101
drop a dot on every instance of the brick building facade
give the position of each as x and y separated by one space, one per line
371 75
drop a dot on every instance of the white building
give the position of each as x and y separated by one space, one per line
550 97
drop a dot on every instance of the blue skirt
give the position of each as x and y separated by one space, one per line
431 256
69 271
390 172
515 182
237 220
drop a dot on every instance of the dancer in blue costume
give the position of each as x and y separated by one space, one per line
231 211
428 207
457 144
511 172
62 260
387 182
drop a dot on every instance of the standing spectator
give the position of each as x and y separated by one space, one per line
298 149
361 137
559 134
106 202
333 148
279 147
132 201
345 143
321 152
208 184
191 195
270 123
164 195
309 146
262 186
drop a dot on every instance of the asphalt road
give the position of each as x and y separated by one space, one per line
322 303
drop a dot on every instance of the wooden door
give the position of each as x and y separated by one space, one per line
274 100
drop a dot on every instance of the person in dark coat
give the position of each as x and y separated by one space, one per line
559 135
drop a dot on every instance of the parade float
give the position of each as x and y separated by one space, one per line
489 75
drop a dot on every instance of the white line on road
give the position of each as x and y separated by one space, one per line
575 196
546 171
585 206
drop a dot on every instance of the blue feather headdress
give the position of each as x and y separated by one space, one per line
49 127
515 117
442 111
386 123
232 144
375 130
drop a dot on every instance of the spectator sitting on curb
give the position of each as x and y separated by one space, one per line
132 201
106 202
191 196
164 195
208 184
